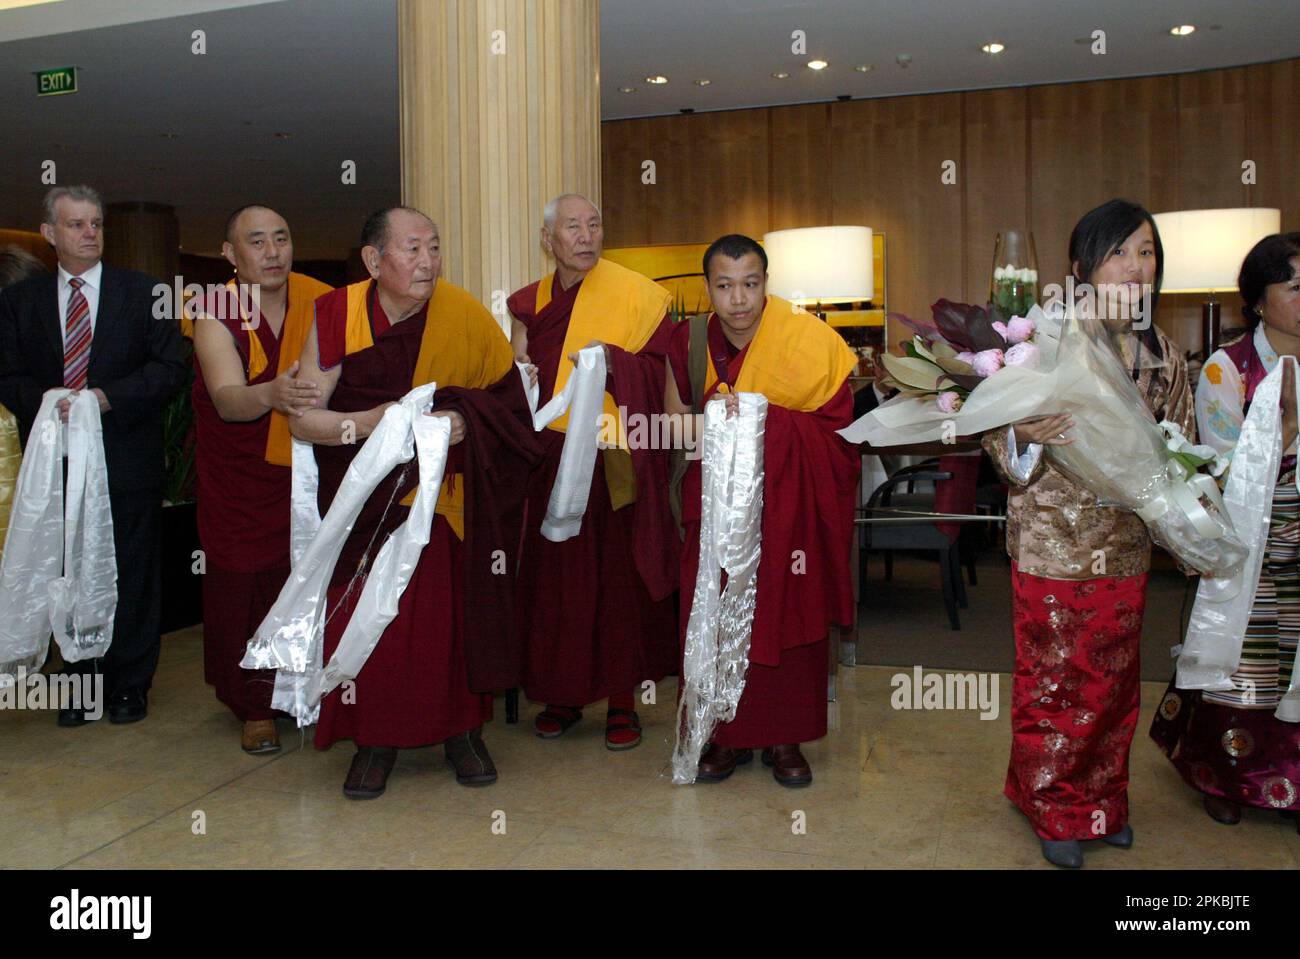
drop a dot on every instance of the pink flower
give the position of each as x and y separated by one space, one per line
987 362
1001 328
1023 354
1020 329
966 356
949 402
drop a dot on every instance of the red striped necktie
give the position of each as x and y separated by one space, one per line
76 340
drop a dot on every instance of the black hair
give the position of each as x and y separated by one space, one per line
375 231
230 220
734 246
1268 262
1095 237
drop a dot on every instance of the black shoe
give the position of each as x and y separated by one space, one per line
1120 840
127 706
1066 853
71 718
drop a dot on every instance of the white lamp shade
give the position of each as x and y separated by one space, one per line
823 264
1204 248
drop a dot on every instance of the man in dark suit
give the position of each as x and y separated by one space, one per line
92 327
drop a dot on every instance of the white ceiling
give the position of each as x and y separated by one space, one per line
324 71
739 44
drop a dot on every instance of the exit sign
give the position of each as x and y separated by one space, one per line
51 83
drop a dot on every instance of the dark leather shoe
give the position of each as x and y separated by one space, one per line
127 706
1066 853
1120 840
789 768
1222 810
368 775
70 718
719 762
468 755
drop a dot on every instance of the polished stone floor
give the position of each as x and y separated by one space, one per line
893 789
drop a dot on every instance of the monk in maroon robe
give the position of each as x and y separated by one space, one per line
430 678
242 384
758 343
596 613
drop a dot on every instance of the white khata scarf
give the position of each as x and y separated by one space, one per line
48 535
731 521
291 637
1211 653
585 392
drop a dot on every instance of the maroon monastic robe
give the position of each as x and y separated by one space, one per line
243 520
810 482
596 613
421 685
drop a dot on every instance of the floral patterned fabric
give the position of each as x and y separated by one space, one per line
1074 701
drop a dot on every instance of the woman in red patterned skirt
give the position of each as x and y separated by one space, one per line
1079 570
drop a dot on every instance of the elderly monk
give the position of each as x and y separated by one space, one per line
247 339
431 676
757 343
595 612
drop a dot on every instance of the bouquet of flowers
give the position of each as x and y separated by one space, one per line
969 372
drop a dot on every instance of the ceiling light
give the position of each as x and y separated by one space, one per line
993 47
781 75
817 64
864 68
702 82
627 89
656 80
1184 30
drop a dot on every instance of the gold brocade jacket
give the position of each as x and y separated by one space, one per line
1055 529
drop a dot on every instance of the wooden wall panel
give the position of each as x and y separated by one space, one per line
887 159
712 176
995 185
1211 144
801 159
625 145
1091 142
1273 137
1037 156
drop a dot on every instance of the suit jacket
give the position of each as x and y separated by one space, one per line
138 361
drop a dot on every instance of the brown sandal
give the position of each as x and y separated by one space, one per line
561 716
618 721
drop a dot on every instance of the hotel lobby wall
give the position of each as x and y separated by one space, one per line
1027 156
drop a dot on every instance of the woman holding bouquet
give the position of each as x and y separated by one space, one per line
1228 744
1079 570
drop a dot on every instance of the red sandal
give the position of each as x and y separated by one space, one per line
622 729
554 721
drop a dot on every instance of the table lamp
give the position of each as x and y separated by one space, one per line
822 264
1203 253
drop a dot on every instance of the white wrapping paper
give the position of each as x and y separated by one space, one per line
1211 652
49 535
291 637
1119 452
718 633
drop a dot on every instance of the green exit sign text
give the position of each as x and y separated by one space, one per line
51 83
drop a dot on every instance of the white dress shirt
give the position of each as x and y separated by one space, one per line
89 289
